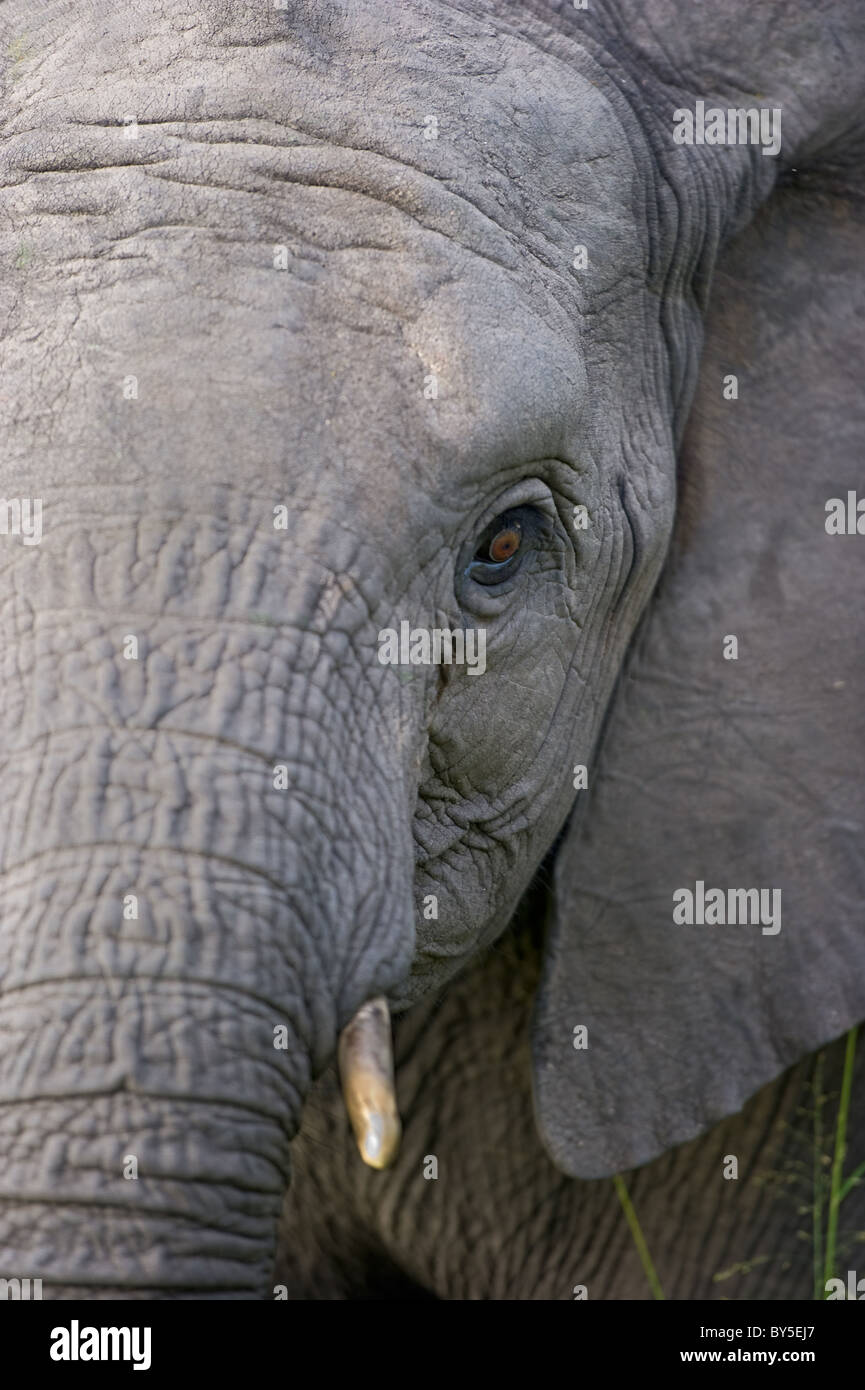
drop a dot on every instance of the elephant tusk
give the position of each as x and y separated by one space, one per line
365 1059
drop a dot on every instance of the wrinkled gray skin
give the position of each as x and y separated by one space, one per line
153 258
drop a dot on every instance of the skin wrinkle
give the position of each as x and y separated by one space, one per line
297 625
383 194
199 1098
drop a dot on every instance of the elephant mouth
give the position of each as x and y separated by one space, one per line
365 1058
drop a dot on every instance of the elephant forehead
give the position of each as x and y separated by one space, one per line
428 85
285 381
451 123
329 238
359 341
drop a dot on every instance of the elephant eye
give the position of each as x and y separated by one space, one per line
503 545
500 550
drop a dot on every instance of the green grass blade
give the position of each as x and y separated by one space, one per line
817 1205
852 1181
838 1157
639 1238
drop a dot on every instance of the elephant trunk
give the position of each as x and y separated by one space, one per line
144 1138
207 871
152 1076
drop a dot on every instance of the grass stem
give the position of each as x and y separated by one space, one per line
817 1203
639 1238
836 1186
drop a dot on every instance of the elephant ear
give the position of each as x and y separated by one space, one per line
735 765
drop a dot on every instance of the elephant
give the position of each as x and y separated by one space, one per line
432 726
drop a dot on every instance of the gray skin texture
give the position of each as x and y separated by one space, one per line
500 1221
153 259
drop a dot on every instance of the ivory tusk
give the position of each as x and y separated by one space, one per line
365 1058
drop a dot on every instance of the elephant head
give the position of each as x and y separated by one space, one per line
348 351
